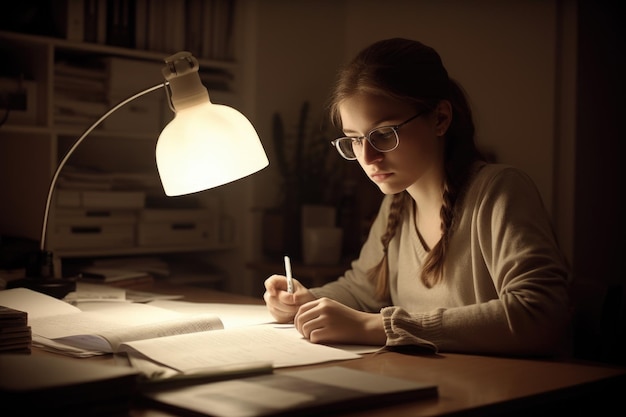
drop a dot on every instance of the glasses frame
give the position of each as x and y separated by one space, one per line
367 137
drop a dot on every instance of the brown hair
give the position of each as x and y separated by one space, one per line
412 72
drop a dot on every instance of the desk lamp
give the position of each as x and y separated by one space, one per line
204 146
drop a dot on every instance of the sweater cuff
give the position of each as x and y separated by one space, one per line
402 328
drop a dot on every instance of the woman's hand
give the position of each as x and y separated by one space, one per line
282 305
327 321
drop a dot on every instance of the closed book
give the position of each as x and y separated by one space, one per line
116 277
51 385
311 392
108 275
10 317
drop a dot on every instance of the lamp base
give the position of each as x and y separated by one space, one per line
40 276
54 287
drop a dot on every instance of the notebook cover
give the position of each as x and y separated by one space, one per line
298 392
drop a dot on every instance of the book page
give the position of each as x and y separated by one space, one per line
34 303
109 340
232 315
266 342
103 326
105 317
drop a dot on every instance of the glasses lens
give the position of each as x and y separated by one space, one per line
344 146
384 139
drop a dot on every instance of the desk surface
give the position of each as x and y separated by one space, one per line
468 384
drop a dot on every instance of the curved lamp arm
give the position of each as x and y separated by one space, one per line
205 145
44 227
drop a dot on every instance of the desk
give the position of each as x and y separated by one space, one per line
469 385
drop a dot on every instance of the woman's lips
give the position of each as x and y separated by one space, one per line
380 176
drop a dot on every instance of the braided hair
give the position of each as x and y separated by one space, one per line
412 72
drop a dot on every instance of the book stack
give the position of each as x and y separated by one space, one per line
15 334
116 277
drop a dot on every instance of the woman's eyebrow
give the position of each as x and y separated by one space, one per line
349 132
385 121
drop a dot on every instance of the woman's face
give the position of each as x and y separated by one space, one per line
417 160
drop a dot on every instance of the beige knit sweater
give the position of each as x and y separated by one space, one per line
505 287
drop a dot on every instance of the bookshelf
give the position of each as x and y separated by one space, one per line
69 78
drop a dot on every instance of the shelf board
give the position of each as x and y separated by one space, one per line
96 48
83 253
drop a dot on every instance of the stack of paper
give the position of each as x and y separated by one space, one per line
116 277
15 334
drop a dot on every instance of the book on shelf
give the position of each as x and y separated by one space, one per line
69 19
202 335
311 392
120 23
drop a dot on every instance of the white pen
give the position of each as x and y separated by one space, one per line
288 274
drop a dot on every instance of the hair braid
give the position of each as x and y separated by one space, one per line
380 272
432 272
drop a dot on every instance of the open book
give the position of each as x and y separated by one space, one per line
183 340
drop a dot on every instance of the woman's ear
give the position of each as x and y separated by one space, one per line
443 113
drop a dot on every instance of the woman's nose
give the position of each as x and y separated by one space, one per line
370 154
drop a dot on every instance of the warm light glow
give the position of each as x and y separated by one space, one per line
206 146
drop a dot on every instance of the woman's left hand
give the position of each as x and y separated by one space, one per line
327 321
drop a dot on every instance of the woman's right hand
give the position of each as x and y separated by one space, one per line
282 305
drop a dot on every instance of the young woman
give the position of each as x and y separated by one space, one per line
462 256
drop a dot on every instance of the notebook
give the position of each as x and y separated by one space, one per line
296 392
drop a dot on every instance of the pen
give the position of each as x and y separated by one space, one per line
288 274
203 376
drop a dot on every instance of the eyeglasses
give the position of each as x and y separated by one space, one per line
383 139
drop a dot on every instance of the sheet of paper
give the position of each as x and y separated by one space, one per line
232 315
263 342
34 303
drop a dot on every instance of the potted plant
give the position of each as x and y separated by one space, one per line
311 174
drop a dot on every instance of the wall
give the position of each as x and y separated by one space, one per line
294 48
599 223
503 53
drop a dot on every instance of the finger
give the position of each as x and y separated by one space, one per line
305 313
283 312
276 283
281 316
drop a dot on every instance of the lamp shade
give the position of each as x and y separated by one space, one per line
206 144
